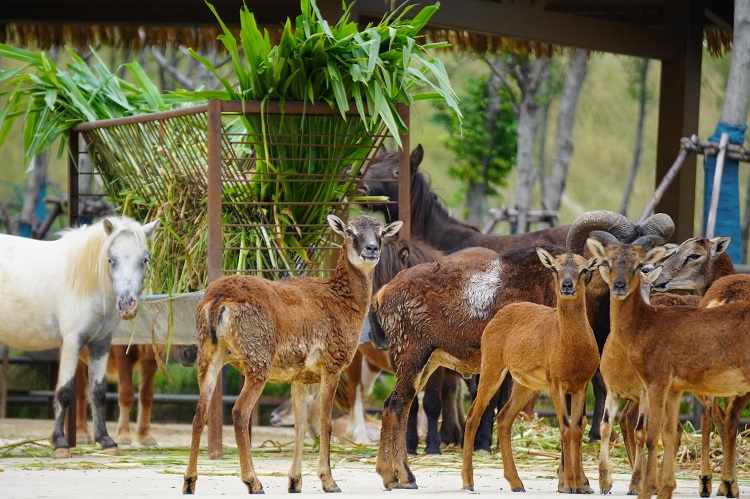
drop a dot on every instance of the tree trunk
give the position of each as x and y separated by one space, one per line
554 184
638 138
529 78
737 97
477 195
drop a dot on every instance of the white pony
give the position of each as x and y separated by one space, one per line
71 293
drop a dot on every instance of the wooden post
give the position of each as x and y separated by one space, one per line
73 220
679 97
216 409
404 175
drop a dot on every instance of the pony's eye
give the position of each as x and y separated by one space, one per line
145 261
111 262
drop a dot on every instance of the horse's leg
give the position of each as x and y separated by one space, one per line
328 383
600 397
454 420
483 439
412 427
487 388
126 393
98 354
146 399
731 423
82 428
432 405
64 393
209 367
241 417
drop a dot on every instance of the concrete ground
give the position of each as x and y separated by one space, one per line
30 471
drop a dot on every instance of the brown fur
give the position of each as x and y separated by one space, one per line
298 330
542 348
661 344
430 321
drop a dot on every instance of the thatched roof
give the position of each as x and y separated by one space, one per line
136 24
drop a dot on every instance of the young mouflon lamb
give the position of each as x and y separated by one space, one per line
298 330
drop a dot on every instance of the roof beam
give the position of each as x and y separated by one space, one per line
512 21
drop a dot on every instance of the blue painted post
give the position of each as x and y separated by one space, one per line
728 214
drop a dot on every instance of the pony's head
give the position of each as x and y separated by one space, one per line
126 256
381 178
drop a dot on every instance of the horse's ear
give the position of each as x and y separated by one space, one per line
108 226
416 158
150 228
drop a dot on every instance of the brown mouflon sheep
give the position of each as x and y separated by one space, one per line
542 348
298 330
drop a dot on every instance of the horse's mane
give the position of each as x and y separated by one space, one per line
399 254
425 204
87 249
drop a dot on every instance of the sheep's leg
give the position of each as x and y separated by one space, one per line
242 414
667 482
146 400
83 436
628 420
578 426
731 423
719 416
328 383
566 442
432 405
600 395
299 405
519 395
488 386
384 461
125 393
209 366
638 435
704 485
656 396
605 467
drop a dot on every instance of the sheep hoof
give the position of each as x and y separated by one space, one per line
732 489
407 485
332 489
254 486
519 489
188 486
587 489
469 488
605 490
295 485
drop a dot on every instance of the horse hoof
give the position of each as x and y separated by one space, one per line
433 451
332 489
62 453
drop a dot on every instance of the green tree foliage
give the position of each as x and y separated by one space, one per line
470 140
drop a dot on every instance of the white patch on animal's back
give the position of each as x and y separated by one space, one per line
481 289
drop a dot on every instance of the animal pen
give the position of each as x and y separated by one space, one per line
219 170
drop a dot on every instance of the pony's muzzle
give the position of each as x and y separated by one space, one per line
128 307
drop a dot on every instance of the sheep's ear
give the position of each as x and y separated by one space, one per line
392 228
604 272
416 158
150 228
597 249
546 259
109 227
656 255
653 275
592 264
337 224
720 245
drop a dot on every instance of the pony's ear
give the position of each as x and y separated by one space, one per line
416 158
338 226
150 228
108 226
391 229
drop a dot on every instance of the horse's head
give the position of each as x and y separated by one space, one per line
381 178
127 256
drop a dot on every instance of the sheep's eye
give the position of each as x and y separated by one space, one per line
692 257
350 232
111 262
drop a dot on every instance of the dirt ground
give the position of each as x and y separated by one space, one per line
30 471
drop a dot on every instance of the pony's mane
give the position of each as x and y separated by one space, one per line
399 254
425 204
88 246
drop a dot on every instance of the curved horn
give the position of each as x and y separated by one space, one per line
648 241
659 224
604 237
617 225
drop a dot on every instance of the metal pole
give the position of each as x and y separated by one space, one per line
216 409
664 185
716 192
